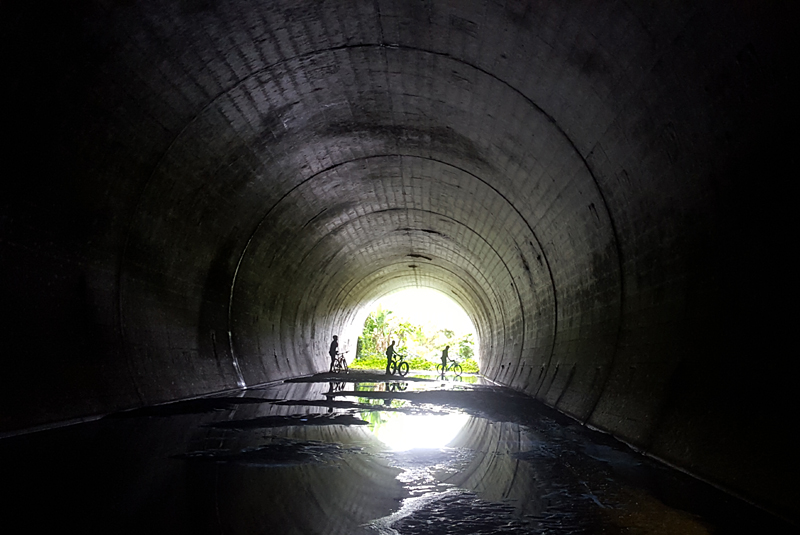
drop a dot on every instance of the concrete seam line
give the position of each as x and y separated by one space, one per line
401 155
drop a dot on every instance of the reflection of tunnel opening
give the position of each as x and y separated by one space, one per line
401 432
401 427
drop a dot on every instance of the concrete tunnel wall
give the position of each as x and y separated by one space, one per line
198 194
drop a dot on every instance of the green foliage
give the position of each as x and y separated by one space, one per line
411 340
369 362
402 333
378 362
465 347
381 327
469 365
376 333
419 363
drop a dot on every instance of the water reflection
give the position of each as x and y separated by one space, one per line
326 456
399 426
402 432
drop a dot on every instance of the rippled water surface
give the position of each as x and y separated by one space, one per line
355 454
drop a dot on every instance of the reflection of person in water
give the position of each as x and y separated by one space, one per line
334 350
329 395
444 358
387 401
389 357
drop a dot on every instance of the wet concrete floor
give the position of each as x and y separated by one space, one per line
354 454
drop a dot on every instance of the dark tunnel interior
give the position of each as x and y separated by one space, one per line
197 194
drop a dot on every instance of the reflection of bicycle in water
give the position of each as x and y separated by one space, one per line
340 364
452 366
394 387
398 365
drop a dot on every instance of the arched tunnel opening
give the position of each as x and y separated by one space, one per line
198 194
422 320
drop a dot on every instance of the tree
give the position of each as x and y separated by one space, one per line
401 333
381 326
376 333
466 347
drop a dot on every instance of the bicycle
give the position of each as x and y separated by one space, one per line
398 365
393 387
455 367
340 364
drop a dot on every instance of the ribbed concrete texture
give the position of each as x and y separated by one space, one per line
198 194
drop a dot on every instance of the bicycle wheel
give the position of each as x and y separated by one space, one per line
344 366
457 369
439 369
393 368
402 369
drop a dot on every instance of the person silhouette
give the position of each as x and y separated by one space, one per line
389 357
329 396
444 358
334 350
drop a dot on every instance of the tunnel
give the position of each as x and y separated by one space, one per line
197 194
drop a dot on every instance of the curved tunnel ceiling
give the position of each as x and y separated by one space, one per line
214 188
407 137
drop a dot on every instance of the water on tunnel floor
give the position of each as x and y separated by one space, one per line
355 454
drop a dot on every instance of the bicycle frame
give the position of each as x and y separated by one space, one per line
340 364
452 366
399 365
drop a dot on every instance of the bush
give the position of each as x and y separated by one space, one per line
419 363
378 362
369 362
469 366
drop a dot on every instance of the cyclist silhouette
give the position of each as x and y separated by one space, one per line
334 350
444 358
389 357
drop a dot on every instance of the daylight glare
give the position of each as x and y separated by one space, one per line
402 432
429 308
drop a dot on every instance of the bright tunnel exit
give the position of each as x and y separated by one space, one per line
422 322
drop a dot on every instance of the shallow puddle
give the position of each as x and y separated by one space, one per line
356 454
